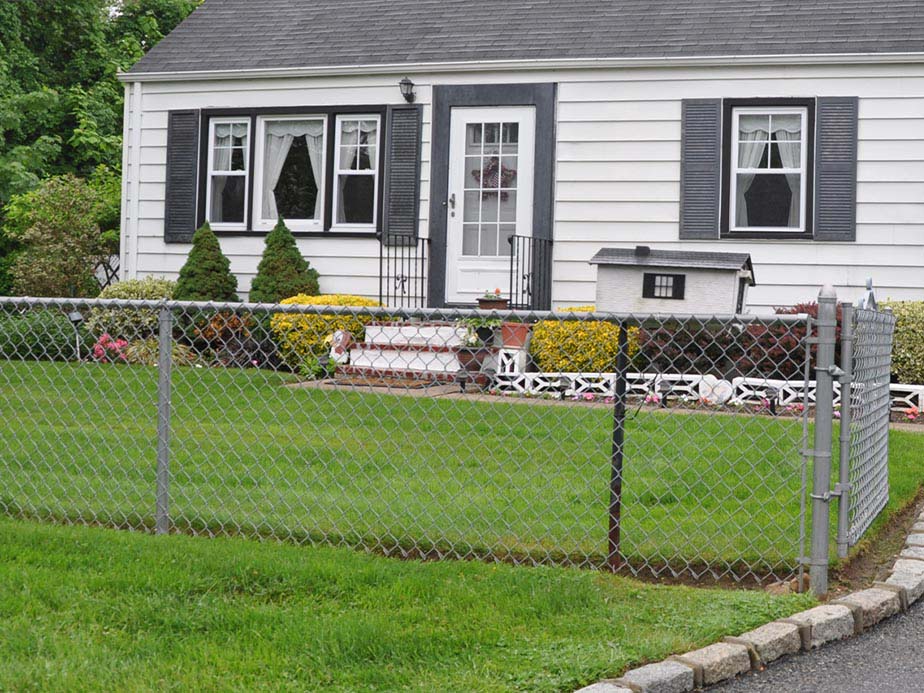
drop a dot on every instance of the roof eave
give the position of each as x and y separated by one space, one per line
528 65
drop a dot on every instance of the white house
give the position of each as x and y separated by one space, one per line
406 141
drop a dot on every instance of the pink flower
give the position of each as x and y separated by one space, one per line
589 397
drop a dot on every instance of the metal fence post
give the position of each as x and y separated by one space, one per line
164 373
843 486
824 426
614 560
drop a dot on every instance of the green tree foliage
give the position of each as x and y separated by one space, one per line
61 103
57 227
282 271
206 276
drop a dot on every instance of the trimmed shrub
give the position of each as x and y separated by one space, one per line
304 337
282 271
577 346
131 324
908 351
206 276
45 335
145 352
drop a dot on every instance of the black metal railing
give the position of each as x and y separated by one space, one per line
530 273
403 273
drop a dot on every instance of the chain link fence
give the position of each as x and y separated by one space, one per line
668 446
867 417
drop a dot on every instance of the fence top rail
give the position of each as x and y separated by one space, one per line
386 312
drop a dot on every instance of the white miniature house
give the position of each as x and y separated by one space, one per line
642 280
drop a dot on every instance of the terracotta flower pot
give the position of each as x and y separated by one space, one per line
494 303
471 358
515 334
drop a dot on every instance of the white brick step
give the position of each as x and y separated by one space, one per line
415 334
387 359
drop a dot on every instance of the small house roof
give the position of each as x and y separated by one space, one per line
642 256
245 35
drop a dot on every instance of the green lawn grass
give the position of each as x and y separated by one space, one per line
251 455
87 609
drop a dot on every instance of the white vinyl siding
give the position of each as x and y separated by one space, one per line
617 173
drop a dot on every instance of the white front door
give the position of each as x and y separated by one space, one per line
491 158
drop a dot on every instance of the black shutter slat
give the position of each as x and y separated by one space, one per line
182 176
700 168
837 126
401 209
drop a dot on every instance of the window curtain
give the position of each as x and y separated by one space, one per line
279 138
789 129
751 146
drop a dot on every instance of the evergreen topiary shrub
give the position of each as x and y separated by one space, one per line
206 276
132 324
908 349
282 271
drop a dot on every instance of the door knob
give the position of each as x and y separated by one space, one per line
452 204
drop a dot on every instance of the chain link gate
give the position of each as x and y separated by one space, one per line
660 446
866 352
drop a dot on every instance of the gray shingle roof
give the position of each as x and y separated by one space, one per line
685 259
254 34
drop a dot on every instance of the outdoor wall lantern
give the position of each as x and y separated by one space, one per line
76 319
407 90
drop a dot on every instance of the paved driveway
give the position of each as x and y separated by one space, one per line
886 659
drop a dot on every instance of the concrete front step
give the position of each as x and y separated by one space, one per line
415 334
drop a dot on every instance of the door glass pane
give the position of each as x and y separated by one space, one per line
509 166
472 172
492 133
473 138
508 206
488 240
472 206
470 240
503 245
489 206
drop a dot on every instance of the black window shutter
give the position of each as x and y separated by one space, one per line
401 192
836 168
700 168
182 176
648 285
680 286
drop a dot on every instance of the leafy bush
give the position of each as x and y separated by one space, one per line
206 276
303 337
45 335
57 225
908 352
131 324
578 346
282 271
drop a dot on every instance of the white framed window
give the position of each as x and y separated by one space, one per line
289 172
227 191
769 172
356 171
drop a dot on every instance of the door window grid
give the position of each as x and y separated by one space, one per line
228 172
490 188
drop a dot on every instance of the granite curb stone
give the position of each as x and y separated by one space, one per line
717 662
874 605
663 677
774 640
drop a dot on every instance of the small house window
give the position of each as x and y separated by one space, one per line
228 173
666 286
290 169
768 166
356 170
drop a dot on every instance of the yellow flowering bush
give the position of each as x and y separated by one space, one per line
908 353
301 338
569 346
